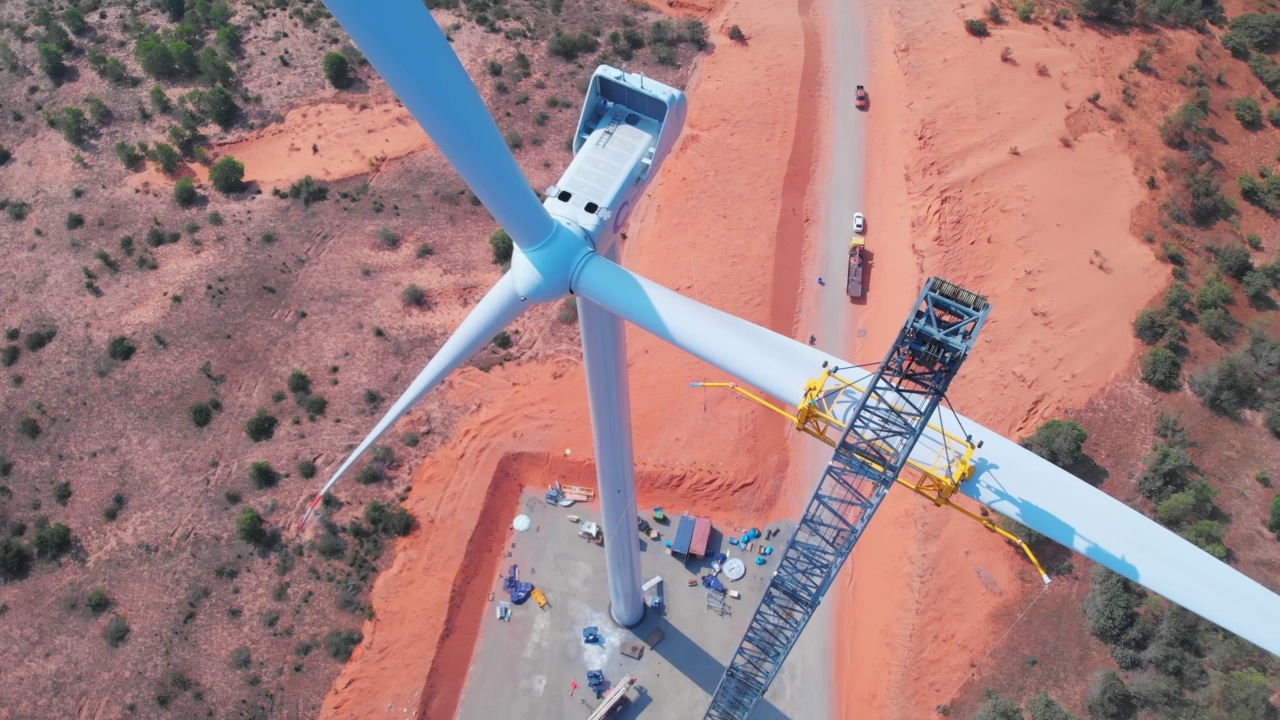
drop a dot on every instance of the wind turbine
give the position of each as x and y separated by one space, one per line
568 245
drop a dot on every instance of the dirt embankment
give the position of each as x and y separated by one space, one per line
1000 175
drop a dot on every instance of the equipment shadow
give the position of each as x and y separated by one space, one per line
697 664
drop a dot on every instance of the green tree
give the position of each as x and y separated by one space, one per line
1168 470
132 159
214 68
298 382
337 70
1208 535
1177 298
250 527
15 559
1113 11
1109 609
1043 707
73 18
1110 699
977 28
1061 442
1273 523
995 707
1162 369
159 100
502 246
1234 261
1246 695
201 414
155 57
1248 112
1228 387
51 540
1194 503
1216 324
218 104
227 175
72 123
51 62
1151 325
1214 293
120 348
184 192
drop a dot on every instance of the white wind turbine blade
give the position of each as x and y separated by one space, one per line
1025 487
761 357
1008 478
410 52
496 310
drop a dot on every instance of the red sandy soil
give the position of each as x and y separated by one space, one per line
529 424
1045 233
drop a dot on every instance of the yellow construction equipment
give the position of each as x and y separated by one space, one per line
938 481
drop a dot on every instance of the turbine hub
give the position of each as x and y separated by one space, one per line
542 273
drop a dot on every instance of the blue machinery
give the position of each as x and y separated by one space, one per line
883 428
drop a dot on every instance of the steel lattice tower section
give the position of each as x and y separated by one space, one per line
882 430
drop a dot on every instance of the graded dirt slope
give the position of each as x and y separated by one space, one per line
1004 179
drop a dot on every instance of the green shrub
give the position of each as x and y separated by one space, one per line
306 469
51 59
9 355
62 492
340 643
1232 260
165 156
308 191
227 175
1061 442
1151 325
1228 387
1213 294
1177 298
15 559
503 340
1043 707
388 520
1112 11
98 600
250 527
1265 193
1257 288
330 546
71 122
1273 116
1273 523
995 14
337 70
261 427
1162 369
116 632
51 540
263 476
1194 503
1261 31
314 405
201 414
1208 536
1216 324
1183 127
994 707
569 46
502 246
1248 112
414 296
1110 608
129 155
976 27
298 382
736 34
424 250
120 348
1208 205
1168 470
28 426
369 475
1110 698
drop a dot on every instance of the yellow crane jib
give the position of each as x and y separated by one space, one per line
938 481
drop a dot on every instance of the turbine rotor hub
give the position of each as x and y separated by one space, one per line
542 273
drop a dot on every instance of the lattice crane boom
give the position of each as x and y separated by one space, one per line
882 430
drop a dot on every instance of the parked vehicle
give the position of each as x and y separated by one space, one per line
864 101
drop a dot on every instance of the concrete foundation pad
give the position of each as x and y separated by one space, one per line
524 668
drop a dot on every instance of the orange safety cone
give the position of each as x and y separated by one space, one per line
573 685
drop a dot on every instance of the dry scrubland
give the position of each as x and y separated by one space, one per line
1189 434
184 363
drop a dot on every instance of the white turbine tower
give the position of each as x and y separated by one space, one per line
568 245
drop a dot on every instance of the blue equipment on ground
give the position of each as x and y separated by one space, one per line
519 591
712 582
591 635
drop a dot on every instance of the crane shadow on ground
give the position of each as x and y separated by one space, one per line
698 665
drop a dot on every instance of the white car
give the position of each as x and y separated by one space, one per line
859 223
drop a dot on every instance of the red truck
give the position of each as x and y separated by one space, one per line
864 101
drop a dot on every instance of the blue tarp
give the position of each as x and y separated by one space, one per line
519 591
711 582
684 535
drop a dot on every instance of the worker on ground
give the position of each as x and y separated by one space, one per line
820 280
